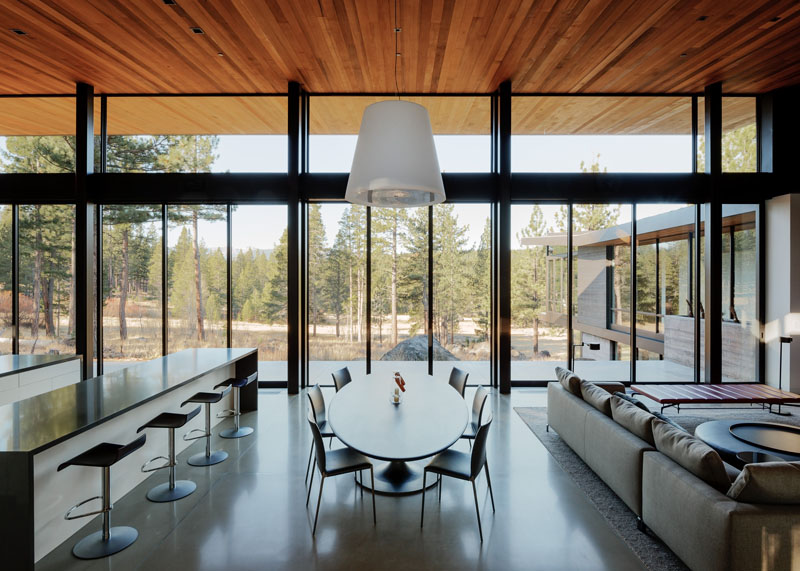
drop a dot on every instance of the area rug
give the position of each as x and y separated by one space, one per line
653 553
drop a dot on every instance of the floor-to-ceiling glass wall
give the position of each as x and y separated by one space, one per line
739 311
132 282
46 284
462 293
337 290
259 242
197 278
665 304
399 293
539 291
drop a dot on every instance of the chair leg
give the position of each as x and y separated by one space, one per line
477 511
489 481
308 466
311 483
372 479
439 482
422 512
361 481
319 501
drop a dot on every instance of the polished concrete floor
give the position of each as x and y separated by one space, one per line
249 512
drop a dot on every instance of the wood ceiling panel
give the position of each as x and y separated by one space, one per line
543 46
37 116
341 115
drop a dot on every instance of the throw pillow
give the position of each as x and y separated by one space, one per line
692 453
596 396
668 420
625 396
569 380
631 417
768 483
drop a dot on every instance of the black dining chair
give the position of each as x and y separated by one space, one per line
317 402
341 378
335 463
458 380
478 405
462 466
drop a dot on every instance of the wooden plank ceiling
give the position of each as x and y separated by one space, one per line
347 46
447 46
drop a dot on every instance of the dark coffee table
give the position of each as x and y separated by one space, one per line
718 435
432 416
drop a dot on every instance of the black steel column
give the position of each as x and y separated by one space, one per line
15 279
84 228
293 295
495 278
164 281
229 279
694 254
504 259
634 247
304 281
713 235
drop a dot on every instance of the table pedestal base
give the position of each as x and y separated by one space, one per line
398 478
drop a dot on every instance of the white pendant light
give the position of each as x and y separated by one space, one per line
395 163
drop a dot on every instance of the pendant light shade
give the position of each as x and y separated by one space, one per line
395 163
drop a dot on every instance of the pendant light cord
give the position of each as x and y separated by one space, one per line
396 53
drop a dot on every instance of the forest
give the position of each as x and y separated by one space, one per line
337 297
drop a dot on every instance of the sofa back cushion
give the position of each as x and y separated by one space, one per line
692 453
633 400
633 418
596 396
768 483
569 380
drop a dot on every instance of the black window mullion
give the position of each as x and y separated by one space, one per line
229 279
15 279
164 281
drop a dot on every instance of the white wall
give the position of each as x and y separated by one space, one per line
782 278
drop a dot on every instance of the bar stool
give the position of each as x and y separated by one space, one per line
208 458
172 490
111 539
237 431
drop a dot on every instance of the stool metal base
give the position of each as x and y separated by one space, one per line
201 459
162 493
93 547
236 433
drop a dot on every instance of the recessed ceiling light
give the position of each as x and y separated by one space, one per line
702 18
775 19
19 32
220 54
170 2
197 30
683 55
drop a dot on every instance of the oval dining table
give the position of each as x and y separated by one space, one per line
431 417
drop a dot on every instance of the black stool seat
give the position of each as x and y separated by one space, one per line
205 398
233 382
170 420
104 454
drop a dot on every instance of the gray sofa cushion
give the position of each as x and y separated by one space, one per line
569 380
692 453
668 420
597 397
632 418
768 483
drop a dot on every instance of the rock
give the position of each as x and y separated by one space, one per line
416 349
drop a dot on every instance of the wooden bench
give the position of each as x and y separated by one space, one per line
728 393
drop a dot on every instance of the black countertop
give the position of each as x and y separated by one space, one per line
12 364
37 423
